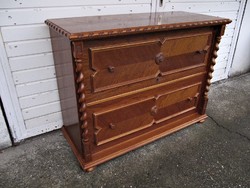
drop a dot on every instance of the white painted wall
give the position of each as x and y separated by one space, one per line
4 134
27 76
241 61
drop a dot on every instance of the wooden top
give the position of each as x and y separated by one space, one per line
102 26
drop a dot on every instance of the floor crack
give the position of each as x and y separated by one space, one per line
230 131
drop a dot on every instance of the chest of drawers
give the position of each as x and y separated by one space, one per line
127 80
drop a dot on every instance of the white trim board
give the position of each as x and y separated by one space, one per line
9 97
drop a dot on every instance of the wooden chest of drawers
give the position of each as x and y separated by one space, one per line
127 80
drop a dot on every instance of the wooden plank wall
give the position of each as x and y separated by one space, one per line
222 8
28 48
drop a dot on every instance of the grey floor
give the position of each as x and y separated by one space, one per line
213 154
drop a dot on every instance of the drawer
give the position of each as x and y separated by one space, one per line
113 120
123 64
112 67
169 105
118 122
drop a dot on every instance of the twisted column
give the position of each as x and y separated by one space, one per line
211 68
219 33
80 89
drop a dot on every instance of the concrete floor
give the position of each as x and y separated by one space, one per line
213 154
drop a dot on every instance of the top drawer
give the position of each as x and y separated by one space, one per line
124 64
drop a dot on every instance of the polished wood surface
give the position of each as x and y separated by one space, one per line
127 80
99 26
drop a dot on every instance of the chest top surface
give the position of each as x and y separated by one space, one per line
101 26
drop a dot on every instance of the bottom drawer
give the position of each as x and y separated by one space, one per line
115 121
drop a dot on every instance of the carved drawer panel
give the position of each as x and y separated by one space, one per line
114 67
115 123
174 103
181 53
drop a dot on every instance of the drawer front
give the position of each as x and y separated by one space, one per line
131 63
115 123
181 53
123 64
172 104
113 120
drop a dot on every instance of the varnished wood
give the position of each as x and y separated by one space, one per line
103 26
127 80
202 121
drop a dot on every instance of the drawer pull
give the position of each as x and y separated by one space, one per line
193 98
154 110
111 126
201 51
159 58
204 51
111 69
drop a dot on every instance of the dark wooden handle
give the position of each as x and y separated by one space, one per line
111 69
112 126
154 110
204 51
201 51
159 58
193 98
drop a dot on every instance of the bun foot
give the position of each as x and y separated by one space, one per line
201 121
90 169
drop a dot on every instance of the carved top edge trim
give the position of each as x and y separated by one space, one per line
133 30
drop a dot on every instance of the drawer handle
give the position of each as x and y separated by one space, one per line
111 126
159 58
204 51
201 51
154 110
193 98
111 69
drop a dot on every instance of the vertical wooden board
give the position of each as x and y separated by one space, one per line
39 15
36 87
39 99
29 47
41 110
31 61
8 4
33 75
25 32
